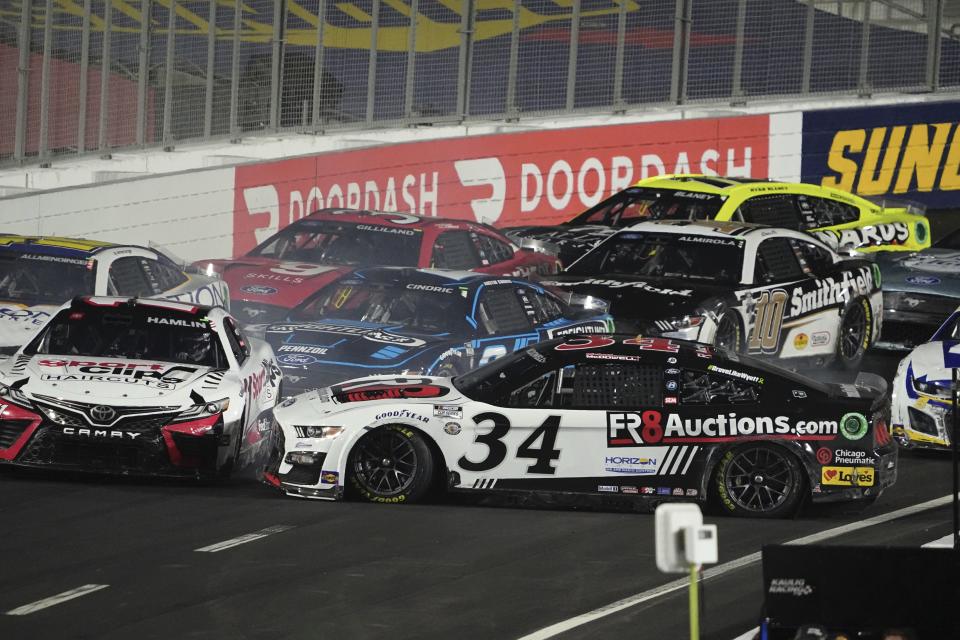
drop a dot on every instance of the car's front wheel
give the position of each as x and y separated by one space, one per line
391 464
728 335
856 333
759 480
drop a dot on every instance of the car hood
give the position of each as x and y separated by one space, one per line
19 323
274 282
639 297
311 344
934 361
934 271
387 390
94 379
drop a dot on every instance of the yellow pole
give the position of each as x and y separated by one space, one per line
694 605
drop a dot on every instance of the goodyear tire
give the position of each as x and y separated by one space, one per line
392 465
855 335
728 336
759 480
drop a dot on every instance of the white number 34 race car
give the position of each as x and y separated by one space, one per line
601 415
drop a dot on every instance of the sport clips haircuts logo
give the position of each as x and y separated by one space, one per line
633 429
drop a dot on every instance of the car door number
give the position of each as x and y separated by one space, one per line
769 321
539 445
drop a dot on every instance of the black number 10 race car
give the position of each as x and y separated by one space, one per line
651 418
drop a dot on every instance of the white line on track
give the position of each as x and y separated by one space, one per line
57 599
946 542
721 569
244 539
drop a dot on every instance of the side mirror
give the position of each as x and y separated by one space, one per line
586 305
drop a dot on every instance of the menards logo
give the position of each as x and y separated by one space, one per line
631 429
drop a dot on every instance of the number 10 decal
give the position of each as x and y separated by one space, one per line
768 322
543 456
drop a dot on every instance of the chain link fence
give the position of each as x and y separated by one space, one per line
82 76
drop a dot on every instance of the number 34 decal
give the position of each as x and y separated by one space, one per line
539 446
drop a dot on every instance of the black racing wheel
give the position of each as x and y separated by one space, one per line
759 480
856 333
728 335
391 464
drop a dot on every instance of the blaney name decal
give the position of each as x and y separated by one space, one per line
634 429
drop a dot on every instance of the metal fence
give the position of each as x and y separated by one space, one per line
81 76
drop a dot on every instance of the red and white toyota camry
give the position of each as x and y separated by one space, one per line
140 387
289 266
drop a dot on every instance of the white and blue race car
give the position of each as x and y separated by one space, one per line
922 406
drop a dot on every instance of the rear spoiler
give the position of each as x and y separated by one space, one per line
873 386
910 206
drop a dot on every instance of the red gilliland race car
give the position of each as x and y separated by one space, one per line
293 263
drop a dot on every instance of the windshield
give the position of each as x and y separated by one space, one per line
424 308
138 333
668 255
334 242
35 278
637 204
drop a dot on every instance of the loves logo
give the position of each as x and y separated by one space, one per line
848 476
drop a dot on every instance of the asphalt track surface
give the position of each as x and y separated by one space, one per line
286 568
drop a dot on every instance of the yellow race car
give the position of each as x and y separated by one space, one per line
841 219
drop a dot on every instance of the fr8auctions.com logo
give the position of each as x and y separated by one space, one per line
651 427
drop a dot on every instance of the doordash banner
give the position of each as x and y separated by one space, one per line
541 177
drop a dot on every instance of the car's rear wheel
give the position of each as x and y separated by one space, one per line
728 335
759 480
391 464
856 333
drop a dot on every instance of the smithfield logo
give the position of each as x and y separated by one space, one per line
296 358
102 414
259 290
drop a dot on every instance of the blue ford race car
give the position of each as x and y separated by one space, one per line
419 321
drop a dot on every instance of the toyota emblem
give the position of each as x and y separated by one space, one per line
103 414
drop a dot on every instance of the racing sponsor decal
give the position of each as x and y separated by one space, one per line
847 476
663 491
253 384
824 455
893 233
734 374
677 491
374 335
853 426
648 491
853 457
586 327
26 316
536 355
379 229
820 338
830 293
630 490
430 288
799 394
302 348
299 359
622 284
540 177
259 290
798 587
329 477
924 281
608 488
179 322
800 341
401 413
448 411
47 258
612 356
451 428
155 375
630 464
726 242
651 427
